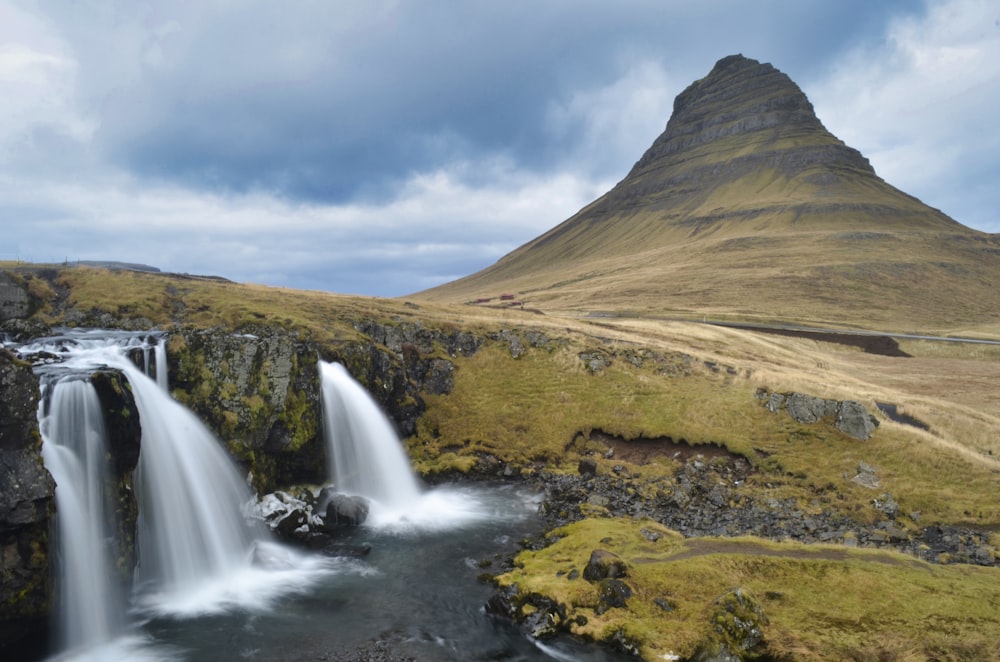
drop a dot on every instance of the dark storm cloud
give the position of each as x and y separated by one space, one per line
322 103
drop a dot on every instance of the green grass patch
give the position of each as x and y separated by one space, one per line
821 601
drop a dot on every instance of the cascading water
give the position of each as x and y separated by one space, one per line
196 551
75 452
351 601
190 497
366 458
364 454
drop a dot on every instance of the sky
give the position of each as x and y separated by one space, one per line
382 147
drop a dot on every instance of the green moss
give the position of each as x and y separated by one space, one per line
812 599
300 418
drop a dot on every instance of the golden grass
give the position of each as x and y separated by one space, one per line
527 411
822 602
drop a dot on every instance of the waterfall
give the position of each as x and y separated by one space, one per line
364 454
366 458
190 497
90 606
160 355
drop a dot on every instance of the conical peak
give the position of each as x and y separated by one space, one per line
739 97
742 118
727 71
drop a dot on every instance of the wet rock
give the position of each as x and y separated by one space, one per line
343 510
27 505
289 517
540 615
259 390
587 466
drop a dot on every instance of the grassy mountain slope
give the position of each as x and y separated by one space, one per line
747 207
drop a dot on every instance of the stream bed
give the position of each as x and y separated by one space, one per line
416 595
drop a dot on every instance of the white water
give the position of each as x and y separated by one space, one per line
366 458
190 495
90 606
197 553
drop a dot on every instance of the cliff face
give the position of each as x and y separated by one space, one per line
27 504
259 390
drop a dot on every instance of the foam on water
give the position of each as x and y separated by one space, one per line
275 571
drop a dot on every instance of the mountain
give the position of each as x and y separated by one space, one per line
747 207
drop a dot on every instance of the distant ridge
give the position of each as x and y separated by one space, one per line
747 207
112 264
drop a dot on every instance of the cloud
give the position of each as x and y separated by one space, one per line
436 230
922 107
380 148
332 102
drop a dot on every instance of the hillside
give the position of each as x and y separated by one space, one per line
747 207
651 440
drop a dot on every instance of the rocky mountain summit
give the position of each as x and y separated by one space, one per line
743 118
747 205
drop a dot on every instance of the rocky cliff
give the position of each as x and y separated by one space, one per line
27 504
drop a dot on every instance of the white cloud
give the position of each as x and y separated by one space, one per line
922 106
619 120
437 221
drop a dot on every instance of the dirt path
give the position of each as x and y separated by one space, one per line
704 546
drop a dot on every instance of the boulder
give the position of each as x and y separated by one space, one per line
344 510
848 416
854 420
808 409
604 565
867 476
289 517
612 594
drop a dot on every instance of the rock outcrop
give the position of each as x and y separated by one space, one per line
259 391
27 504
849 416
14 301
